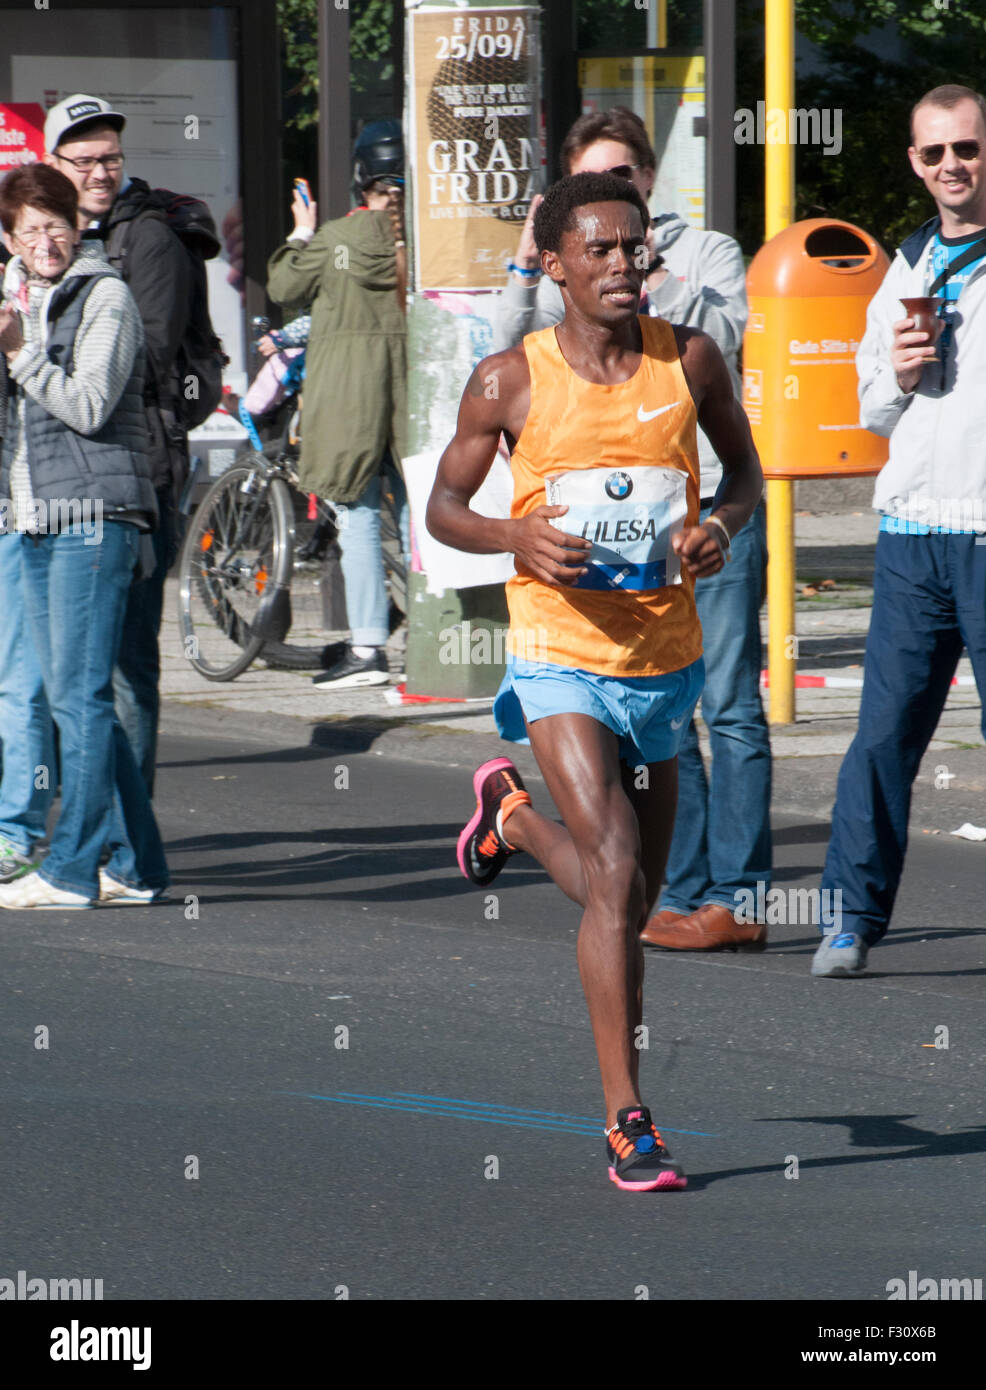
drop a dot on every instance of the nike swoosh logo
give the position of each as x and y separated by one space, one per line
644 415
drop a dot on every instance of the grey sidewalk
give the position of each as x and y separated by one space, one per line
831 626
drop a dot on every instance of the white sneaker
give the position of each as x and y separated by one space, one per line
116 894
34 891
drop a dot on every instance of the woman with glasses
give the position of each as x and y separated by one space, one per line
75 500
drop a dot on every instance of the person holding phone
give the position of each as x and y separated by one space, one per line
350 271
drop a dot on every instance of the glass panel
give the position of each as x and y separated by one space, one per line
173 75
668 94
624 24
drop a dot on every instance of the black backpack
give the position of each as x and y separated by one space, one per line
201 359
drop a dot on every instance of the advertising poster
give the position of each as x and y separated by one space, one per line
22 138
477 162
667 94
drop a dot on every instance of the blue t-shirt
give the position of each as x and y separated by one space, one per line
944 251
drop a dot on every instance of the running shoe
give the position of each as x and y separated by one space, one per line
843 955
482 850
14 864
639 1160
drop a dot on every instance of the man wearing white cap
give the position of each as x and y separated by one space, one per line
82 139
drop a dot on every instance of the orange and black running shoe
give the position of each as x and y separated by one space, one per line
639 1160
482 851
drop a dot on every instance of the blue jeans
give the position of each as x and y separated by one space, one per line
721 841
367 601
138 669
75 594
29 778
929 599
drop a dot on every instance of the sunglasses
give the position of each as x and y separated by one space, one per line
932 155
623 171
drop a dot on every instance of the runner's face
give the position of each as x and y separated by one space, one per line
954 183
603 261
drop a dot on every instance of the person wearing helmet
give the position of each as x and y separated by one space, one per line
351 271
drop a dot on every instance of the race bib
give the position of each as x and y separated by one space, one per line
630 515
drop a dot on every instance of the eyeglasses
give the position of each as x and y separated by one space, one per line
623 171
966 150
60 232
110 162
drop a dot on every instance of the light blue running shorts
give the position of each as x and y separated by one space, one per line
648 714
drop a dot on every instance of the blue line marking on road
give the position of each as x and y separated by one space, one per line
477 1110
552 1114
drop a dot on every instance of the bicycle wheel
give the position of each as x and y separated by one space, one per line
235 554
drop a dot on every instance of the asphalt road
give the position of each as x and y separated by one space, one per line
325 1066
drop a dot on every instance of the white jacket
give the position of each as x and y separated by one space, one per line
705 288
936 472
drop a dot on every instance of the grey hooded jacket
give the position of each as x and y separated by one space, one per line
705 288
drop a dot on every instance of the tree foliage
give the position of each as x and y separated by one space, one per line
848 70
869 181
370 57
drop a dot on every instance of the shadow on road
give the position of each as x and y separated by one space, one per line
887 1132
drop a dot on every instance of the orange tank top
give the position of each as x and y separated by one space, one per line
624 459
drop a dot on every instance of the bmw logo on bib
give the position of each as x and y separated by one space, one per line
619 486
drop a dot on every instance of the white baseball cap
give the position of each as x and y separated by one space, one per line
76 111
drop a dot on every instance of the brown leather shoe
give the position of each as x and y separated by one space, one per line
712 927
658 924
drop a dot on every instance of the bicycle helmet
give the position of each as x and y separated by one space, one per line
378 155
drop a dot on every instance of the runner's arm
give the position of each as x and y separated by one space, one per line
494 401
725 424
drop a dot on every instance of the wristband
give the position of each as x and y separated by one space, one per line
722 527
527 274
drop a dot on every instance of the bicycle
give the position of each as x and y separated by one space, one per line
255 575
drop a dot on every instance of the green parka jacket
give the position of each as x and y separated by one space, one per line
355 392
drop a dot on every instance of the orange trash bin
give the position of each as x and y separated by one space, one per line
808 289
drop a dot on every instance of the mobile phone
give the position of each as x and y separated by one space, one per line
306 194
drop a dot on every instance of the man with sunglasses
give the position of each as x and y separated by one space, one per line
82 137
929 585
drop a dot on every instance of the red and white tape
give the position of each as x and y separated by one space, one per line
805 682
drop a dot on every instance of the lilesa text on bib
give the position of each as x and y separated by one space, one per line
629 515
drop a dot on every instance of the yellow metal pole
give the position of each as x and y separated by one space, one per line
779 170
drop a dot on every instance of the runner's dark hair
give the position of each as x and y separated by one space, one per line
555 216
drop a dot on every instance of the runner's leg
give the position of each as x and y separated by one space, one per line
597 861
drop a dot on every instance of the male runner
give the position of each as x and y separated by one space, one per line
601 409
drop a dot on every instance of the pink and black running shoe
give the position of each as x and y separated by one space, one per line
639 1160
482 851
